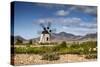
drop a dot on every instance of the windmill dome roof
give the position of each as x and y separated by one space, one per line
45 32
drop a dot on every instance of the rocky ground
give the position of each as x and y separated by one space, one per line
26 59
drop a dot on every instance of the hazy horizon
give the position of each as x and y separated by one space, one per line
55 33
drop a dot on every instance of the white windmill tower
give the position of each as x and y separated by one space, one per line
46 33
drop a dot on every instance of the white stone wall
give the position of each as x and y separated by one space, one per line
43 38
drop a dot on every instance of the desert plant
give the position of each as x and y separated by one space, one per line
44 43
63 44
18 41
20 50
91 56
50 56
81 49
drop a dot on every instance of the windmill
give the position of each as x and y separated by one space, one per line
46 33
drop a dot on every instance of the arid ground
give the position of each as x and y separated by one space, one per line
26 59
56 53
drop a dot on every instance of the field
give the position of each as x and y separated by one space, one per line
46 53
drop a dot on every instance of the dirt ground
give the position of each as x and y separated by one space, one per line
26 59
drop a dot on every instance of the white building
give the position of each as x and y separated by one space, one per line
45 37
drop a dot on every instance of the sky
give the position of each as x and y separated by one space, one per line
75 19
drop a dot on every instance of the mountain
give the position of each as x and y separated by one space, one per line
18 38
63 36
89 36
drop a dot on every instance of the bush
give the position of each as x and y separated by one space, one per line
75 48
44 43
51 43
22 50
30 41
50 56
18 42
63 44
56 48
34 50
91 56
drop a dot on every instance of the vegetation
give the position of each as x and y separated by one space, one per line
91 56
21 50
50 56
53 52
18 42
63 44
30 42
52 43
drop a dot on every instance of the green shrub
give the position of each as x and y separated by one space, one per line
30 41
44 43
63 44
75 48
50 56
51 43
56 48
18 42
91 56
22 50
34 50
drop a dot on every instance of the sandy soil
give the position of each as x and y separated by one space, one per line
26 59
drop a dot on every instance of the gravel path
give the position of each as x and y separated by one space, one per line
26 59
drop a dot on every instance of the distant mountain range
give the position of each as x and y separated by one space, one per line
19 38
63 36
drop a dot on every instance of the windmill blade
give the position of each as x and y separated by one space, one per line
48 25
42 25
50 31
53 30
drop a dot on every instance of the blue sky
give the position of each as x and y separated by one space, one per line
78 20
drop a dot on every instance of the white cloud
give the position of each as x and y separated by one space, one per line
79 23
77 31
88 25
92 10
62 13
73 25
41 21
74 22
